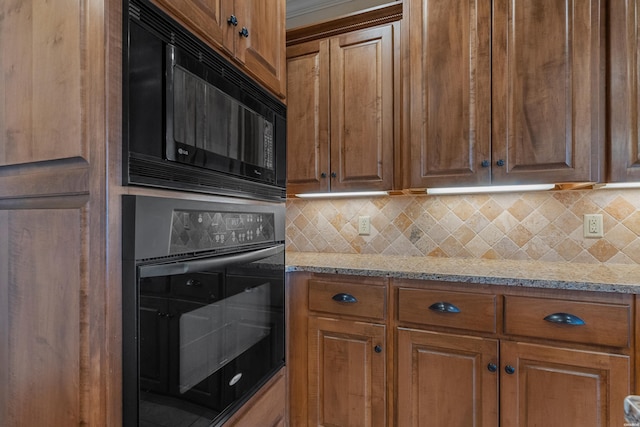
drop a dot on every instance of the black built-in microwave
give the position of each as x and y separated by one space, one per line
192 120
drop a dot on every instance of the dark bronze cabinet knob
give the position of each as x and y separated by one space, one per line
500 162
509 369
232 20
492 367
377 349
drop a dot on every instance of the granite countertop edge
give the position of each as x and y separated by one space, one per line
617 278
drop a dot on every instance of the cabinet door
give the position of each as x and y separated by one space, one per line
347 376
262 50
450 89
308 117
557 387
203 17
547 91
362 110
624 149
444 380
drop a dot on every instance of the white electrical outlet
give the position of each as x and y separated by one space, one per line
364 225
593 226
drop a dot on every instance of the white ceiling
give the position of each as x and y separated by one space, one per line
304 12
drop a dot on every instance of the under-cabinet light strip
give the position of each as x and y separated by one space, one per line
489 189
346 194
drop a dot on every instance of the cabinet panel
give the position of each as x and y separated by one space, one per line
624 148
547 90
604 324
263 50
362 105
343 111
43 45
206 18
477 312
443 380
347 376
555 387
308 117
44 316
369 300
450 92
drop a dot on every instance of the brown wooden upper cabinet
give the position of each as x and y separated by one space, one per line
250 32
504 92
624 144
342 110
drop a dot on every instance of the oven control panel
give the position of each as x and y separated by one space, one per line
204 230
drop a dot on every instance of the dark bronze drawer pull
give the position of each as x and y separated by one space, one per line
342 297
565 319
444 307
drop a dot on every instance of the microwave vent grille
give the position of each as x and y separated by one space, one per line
155 173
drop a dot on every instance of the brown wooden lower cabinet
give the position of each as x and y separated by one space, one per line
558 387
443 379
458 355
347 375
266 408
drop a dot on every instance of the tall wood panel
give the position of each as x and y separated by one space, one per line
60 67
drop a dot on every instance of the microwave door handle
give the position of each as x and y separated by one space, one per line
206 264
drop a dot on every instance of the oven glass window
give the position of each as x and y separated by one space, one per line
207 339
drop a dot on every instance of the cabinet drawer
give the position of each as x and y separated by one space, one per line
351 299
463 310
574 321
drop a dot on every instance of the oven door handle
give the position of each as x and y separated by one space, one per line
206 264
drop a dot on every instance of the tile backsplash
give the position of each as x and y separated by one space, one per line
546 226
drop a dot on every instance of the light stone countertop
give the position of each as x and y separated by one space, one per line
621 278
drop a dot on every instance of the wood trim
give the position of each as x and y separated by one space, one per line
355 21
45 179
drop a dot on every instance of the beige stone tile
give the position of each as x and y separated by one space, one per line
463 210
568 249
620 236
633 251
491 210
505 222
450 223
477 247
568 222
464 234
491 234
551 208
402 222
520 235
552 235
619 208
535 248
602 250
567 198
491 254
585 206
632 222
451 246
520 209
505 248
437 209
437 252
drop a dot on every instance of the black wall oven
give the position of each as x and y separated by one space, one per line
192 120
203 307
